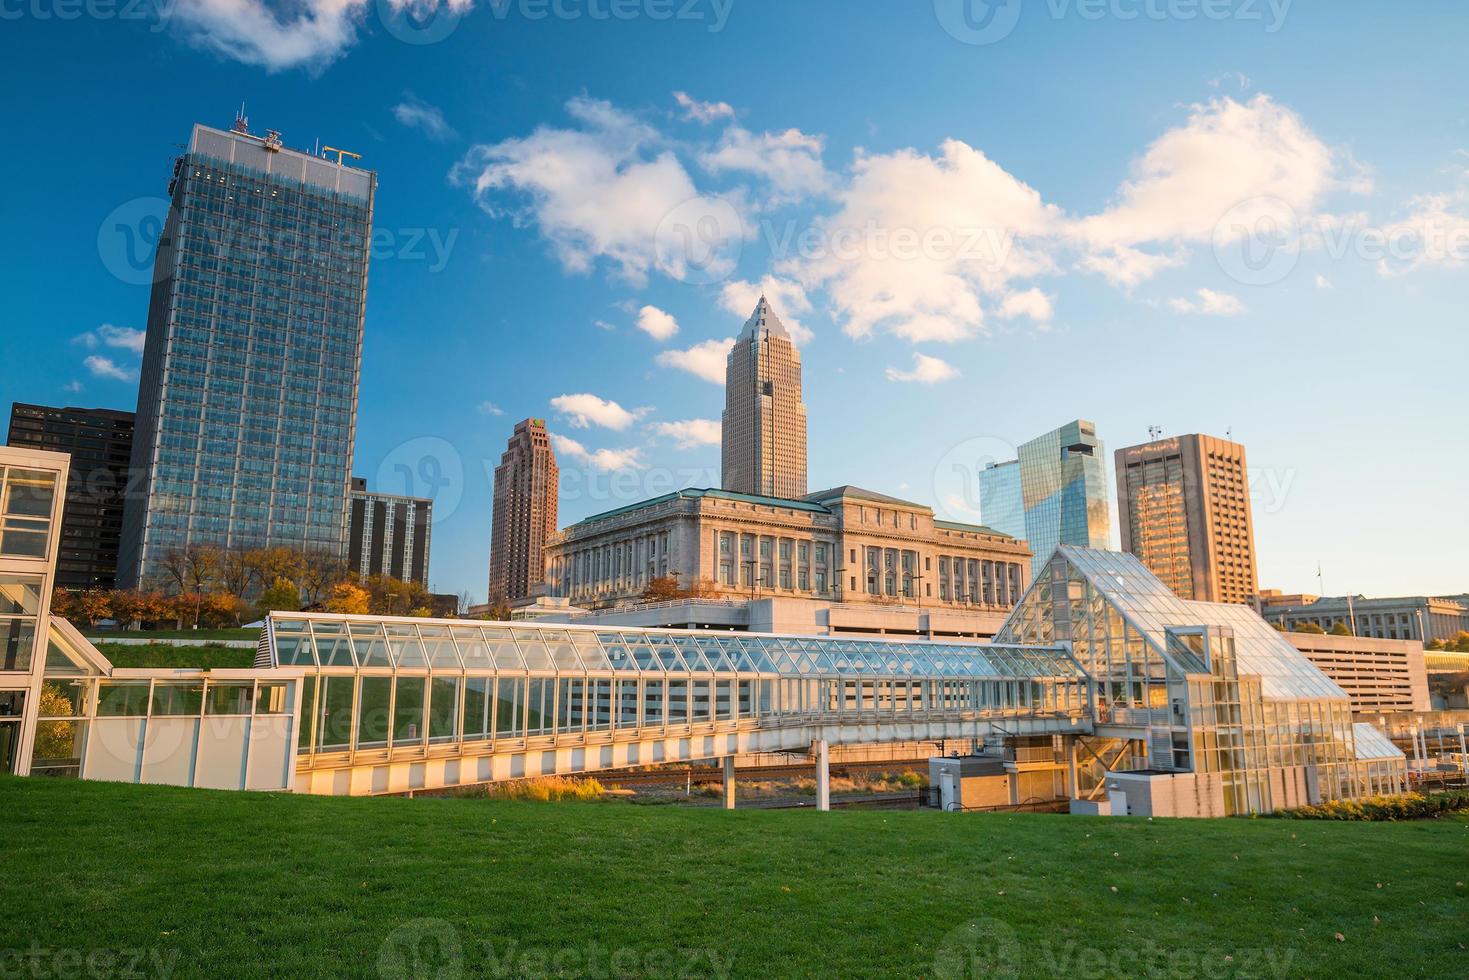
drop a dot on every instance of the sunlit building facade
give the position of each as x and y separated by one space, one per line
1054 493
763 443
1184 508
247 404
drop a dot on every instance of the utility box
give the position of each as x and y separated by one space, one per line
970 782
1151 793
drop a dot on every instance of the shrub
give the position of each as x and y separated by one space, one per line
1407 806
546 789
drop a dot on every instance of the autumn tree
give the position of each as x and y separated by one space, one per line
1308 628
238 569
1340 628
282 596
318 573
662 589
395 597
349 599
92 605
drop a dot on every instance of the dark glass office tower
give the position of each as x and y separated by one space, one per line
248 397
100 442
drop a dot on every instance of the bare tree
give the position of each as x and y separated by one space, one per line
319 572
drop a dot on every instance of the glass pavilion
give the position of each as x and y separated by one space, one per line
1206 687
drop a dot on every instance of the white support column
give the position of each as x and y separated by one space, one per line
1071 788
1463 754
823 774
729 782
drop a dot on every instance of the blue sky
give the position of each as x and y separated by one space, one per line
1229 217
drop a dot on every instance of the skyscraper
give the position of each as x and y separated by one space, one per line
248 397
764 423
524 512
1055 493
1184 505
389 534
100 442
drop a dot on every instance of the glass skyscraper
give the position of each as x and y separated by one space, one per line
1055 493
248 399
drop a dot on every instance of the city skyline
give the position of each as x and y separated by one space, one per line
625 399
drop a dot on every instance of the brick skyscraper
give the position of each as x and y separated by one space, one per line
764 424
524 512
1184 507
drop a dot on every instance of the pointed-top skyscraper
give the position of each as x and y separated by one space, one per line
526 484
764 424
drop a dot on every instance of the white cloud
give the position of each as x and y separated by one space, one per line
417 114
656 323
690 433
585 410
705 360
599 459
106 367
926 371
107 335
920 240
1231 162
281 35
1209 303
1030 303
603 325
787 296
1435 232
702 112
790 161
1322 282
72 386
490 408
606 190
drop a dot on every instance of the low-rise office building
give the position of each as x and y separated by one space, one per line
1421 618
845 545
1379 676
389 534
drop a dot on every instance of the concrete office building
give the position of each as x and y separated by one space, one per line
388 534
1184 507
763 448
1379 676
524 516
1054 493
1421 618
100 442
247 404
844 545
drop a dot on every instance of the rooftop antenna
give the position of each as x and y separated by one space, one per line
1320 579
242 122
1155 431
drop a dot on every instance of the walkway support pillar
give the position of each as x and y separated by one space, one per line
729 782
823 774
1463 753
1071 787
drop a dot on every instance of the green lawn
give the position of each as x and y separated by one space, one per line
242 884
165 655
230 634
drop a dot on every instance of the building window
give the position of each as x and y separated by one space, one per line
803 580
820 581
785 578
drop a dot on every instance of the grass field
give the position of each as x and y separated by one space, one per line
161 655
231 634
244 884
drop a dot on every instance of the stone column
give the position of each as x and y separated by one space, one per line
729 782
823 774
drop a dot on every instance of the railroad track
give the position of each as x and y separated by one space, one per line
710 774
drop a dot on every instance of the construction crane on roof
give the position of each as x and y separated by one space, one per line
340 153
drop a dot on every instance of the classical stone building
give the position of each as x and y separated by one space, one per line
843 545
764 425
1184 509
524 514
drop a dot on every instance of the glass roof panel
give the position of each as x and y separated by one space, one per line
332 648
564 655
592 652
537 655
404 646
369 644
291 650
440 647
472 647
503 651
